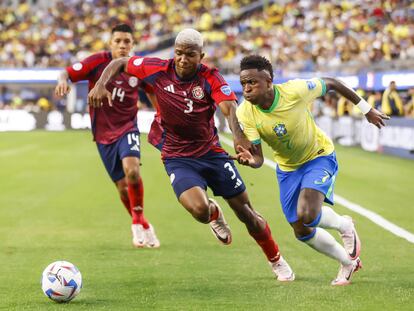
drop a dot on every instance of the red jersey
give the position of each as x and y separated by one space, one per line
109 123
186 107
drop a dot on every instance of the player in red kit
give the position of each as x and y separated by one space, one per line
187 94
115 129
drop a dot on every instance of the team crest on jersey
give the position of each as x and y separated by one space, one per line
77 66
198 92
133 81
226 90
280 130
137 62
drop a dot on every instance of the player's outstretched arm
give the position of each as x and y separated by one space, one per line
253 159
62 88
99 92
373 115
228 108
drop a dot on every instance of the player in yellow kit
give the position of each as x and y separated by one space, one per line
306 162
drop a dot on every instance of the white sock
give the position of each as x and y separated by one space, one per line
325 243
331 220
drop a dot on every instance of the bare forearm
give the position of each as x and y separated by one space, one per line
343 89
234 123
114 67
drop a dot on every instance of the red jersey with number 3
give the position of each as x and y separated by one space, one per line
109 123
186 107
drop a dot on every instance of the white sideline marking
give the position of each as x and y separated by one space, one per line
374 217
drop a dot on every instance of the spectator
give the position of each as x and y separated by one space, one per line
391 101
375 100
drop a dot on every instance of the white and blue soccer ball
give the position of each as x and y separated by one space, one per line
61 281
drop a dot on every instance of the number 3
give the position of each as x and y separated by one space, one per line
189 105
228 166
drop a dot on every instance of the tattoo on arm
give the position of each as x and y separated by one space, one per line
116 66
233 122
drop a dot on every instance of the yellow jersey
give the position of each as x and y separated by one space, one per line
288 126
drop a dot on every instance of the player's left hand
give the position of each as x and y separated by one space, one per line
243 156
376 117
97 95
242 141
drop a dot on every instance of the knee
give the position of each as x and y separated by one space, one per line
306 213
303 233
132 175
200 211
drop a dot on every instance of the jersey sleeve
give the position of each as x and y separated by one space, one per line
81 70
220 90
144 67
308 90
247 124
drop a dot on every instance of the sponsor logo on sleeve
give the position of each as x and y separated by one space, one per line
311 84
77 66
137 62
133 81
226 90
198 92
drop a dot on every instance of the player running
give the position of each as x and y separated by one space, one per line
187 93
115 129
307 165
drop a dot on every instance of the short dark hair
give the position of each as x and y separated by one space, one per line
122 28
256 62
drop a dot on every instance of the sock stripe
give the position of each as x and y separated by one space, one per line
307 237
315 222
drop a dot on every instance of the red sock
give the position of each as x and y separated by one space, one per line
136 199
214 214
125 201
268 245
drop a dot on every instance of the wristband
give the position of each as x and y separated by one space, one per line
364 106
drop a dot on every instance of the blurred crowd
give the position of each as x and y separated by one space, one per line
324 36
72 29
391 102
297 35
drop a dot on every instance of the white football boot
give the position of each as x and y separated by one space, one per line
151 239
138 235
282 270
219 227
351 241
345 273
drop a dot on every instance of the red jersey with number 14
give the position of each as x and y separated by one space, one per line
186 107
109 123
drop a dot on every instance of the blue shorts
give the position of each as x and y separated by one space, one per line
112 154
213 170
318 174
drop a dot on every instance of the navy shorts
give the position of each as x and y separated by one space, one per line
112 154
318 174
213 170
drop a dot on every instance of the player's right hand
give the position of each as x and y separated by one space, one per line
97 95
376 117
62 88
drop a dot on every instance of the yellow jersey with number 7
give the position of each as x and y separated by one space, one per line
288 126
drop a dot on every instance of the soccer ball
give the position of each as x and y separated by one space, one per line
61 281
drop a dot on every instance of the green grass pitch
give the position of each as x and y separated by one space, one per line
57 203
